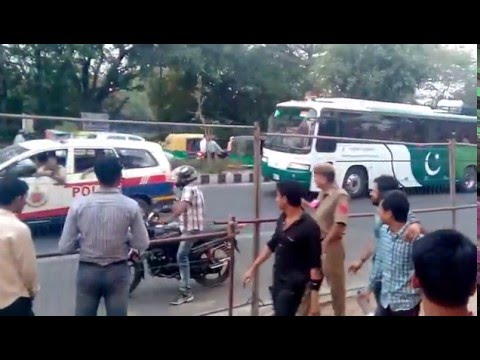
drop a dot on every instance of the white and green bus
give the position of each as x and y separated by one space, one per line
359 162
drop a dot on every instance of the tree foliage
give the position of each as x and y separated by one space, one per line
241 83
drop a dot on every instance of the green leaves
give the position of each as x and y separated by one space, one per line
386 72
241 82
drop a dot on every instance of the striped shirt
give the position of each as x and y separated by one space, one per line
192 219
394 268
412 219
104 226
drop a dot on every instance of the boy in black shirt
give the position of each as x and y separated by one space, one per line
297 247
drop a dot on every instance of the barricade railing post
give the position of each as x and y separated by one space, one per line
452 177
256 231
231 285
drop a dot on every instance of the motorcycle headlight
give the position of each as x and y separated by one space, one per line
297 166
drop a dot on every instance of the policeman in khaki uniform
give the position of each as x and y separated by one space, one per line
332 217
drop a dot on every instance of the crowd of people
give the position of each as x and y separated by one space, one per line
105 228
411 268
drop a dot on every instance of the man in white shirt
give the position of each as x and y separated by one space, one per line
20 138
203 145
209 145
18 263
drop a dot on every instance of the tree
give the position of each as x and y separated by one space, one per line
170 96
452 76
69 78
241 82
386 72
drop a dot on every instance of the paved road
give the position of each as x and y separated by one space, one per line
153 295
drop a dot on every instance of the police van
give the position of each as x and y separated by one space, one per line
146 174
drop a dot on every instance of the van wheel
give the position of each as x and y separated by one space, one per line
356 182
468 183
144 206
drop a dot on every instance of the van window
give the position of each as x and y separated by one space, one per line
11 152
136 158
85 158
85 136
133 138
28 167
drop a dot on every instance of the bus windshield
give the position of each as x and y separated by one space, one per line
291 120
10 152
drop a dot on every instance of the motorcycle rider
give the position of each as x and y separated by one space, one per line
190 211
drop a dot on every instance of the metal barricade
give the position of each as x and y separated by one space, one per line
258 136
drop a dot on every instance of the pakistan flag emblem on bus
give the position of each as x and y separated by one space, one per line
429 163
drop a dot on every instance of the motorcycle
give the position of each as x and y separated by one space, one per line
209 257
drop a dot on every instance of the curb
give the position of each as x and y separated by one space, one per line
226 178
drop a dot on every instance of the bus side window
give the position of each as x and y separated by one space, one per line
411 130
442 131
327 127
464 132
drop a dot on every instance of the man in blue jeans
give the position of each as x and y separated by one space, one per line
394 265
190 210
381 187
99 225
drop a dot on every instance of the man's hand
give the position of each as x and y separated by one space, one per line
365 294
85 174
310 205
305 204
413 231
355 267
314 308
247 278
133 255
45 173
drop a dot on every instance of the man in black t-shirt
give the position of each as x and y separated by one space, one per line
297 247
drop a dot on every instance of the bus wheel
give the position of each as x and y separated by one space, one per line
468 183
356 182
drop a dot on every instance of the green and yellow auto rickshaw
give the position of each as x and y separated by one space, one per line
183 146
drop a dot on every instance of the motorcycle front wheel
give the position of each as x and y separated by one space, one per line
219 268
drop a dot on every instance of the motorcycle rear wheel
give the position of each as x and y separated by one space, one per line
218 277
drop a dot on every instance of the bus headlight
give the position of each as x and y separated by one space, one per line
297 166
264 159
